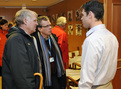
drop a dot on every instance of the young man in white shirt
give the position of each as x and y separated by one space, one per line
99 50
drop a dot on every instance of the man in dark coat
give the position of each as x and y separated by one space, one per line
20 59
53 72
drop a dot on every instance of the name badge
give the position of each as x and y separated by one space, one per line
51 59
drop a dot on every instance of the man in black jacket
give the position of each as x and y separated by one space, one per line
53 72
20 59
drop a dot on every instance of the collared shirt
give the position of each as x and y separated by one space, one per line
99 57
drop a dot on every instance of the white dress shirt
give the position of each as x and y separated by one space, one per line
99 57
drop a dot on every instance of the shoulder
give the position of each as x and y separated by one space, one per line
55 37
16 39
57 30
15 36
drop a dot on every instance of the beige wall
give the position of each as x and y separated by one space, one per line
9 13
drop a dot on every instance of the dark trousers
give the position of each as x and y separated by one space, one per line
55 84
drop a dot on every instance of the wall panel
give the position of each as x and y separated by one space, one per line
116 1
117 25
113 24
9 13
117 79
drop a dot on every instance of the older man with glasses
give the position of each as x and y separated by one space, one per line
50 56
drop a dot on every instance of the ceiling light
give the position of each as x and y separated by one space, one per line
23 6
34 0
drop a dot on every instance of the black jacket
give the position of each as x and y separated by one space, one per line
62 80
19 61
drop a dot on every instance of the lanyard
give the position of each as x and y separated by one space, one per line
50 47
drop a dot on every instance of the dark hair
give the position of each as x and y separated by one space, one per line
3 21
39 20
96 7
10 25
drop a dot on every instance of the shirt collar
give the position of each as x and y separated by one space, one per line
47 38
27 33
94 28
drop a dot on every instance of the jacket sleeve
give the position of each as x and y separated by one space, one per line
20 66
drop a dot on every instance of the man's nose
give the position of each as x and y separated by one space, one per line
36 23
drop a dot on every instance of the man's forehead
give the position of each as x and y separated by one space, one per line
45 21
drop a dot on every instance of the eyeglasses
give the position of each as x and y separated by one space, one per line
46 26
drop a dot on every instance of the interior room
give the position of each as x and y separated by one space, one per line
75 31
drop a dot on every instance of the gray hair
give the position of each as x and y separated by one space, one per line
21 14
61 21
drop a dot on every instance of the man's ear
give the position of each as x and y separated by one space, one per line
91 14
25 21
